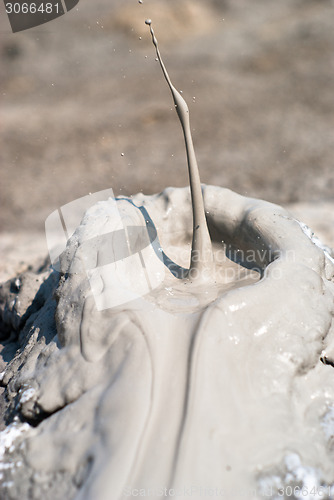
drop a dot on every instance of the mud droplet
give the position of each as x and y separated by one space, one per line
148 22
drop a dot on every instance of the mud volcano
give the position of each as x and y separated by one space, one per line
181 346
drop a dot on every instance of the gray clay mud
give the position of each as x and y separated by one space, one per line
127 374
142 396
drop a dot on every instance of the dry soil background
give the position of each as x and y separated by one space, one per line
84 105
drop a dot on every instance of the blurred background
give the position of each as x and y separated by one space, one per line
84 105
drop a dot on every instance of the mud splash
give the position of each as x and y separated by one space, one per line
189 387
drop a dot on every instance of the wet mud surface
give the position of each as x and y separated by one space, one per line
83 108
112 397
